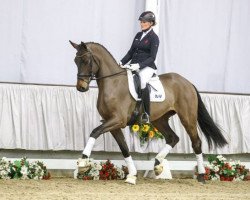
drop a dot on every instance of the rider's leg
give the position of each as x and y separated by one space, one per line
145 96
145 75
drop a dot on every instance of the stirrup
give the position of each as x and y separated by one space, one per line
145 118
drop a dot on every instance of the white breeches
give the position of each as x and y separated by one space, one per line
145 74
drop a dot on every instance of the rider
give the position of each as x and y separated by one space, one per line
142 55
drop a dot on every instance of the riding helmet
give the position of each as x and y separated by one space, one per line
147 16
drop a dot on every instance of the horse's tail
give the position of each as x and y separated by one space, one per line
208 127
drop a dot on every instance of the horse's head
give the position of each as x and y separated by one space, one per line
86 66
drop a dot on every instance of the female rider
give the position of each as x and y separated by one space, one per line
142 55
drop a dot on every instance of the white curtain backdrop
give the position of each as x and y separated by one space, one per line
35 34
206 41
61 118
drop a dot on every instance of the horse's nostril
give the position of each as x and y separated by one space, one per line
82 89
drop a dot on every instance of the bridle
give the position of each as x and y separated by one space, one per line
92 75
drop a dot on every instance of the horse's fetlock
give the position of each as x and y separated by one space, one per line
197 147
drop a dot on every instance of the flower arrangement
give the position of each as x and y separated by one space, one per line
146 132
219 169
23 169
100 171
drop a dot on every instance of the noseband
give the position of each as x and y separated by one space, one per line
91 75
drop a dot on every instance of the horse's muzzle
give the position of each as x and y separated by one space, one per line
81 89
82 86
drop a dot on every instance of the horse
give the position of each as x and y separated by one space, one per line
116 105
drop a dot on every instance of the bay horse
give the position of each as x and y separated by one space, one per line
116 105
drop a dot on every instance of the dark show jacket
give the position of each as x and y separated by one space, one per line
143 52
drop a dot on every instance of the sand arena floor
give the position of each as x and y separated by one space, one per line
69 188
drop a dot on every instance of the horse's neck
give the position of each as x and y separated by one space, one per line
108 65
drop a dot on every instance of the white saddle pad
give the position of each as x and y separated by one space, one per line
157 93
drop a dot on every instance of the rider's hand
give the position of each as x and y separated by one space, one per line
125 66
120 64
134 67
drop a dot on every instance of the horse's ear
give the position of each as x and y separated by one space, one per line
76 46
83 45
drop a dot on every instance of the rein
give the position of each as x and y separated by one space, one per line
98 78
92 75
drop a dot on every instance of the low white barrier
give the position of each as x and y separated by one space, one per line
140 164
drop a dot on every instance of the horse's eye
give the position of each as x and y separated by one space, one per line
85 61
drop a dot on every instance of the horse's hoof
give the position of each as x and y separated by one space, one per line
83 165
158 169
83 169
201 178
131 179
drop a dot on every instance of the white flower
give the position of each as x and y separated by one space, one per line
4 159
210 166
94 172
242 177
221 158
237 162
3 173
214 178
120 173
24 170
237 179
98 166
231 163
216 168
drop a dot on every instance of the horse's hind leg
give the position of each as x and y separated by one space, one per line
171 140
188 117
119 137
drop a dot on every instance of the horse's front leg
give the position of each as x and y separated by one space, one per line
120 139
107 126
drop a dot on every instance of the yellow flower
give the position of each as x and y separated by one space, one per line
135 128
151 134
145 128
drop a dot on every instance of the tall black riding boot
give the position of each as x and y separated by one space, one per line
145 96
